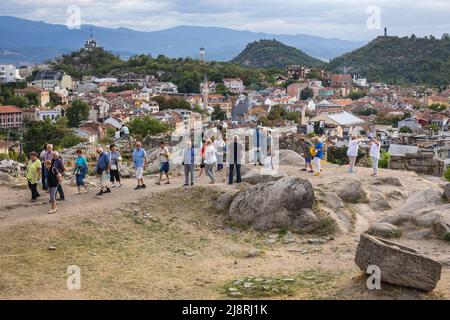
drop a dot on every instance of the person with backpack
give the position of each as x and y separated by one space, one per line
102 169
308 154
80 171
58 163
317 153
164 157
54 179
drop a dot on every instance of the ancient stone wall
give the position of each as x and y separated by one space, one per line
421 162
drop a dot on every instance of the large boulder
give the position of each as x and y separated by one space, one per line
286 203
421 199
441 227
399 265
255 177
223 201
378 202
290 158
352 191
6 178
384 230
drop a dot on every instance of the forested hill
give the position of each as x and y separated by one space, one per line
272 53
408 60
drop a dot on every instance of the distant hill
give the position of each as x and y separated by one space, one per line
273 53
395 60
29 41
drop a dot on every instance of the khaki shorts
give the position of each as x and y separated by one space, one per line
139 173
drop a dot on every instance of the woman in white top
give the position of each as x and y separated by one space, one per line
210 160
375 147
352 153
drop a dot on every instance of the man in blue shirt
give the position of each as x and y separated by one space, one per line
139 162
102 169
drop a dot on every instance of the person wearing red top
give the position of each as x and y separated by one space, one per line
202 155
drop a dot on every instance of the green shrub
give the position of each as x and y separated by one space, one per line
447 174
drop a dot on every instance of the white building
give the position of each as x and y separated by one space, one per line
235 85
9 73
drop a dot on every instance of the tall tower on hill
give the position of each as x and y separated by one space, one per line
202 54
385 32
205 87
91 43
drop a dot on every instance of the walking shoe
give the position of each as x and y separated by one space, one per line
120 185
303 169
192 184
167 182
137 188
186 185
316 174
143 186
158 183
99 194
108 190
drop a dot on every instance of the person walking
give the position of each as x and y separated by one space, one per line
218 146
54 179
375 147
102 170
235 152
318 148
58 162
80 171
210 161
115 160
259 147
202 156
139 163
352 152
163 156
188 163
46 154
33 173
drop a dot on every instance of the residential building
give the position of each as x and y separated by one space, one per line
341 81
42 94
50 79
297 71
211 86
295 89
41 114
9 73
235 85
409 123
10 117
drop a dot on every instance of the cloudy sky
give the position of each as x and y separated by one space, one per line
345 19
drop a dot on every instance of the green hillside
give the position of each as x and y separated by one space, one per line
394 60
272 53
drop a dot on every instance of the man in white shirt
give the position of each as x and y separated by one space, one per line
352 153
375 147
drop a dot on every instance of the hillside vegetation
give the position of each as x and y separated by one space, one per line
395 60
272 53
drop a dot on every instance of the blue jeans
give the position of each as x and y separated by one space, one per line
231 173
44 178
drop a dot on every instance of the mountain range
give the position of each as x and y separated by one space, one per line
25 41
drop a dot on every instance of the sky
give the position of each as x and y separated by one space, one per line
344 19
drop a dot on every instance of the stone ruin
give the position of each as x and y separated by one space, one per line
420 162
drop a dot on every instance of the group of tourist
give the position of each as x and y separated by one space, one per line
374 153
48 167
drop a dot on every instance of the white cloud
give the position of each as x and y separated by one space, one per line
330 18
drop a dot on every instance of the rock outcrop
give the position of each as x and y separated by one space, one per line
255 177
286 203
399 265
290 158
352 191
